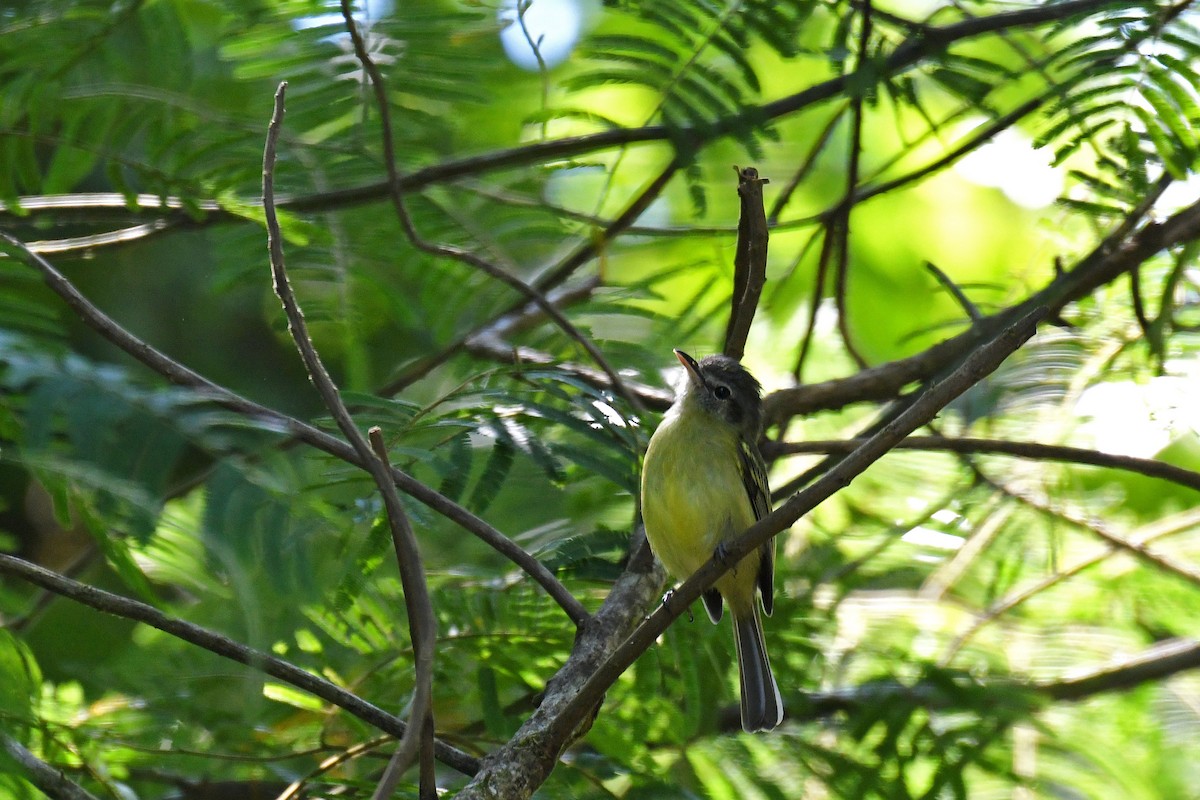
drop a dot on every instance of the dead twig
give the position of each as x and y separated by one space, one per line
373 457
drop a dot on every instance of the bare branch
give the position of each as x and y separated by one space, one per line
45 777
555 277
1153 664
225 647
448 251
1031 450
955 291
749 261
373 456
838 228
980 363
181 375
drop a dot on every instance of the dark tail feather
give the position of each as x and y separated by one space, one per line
762 708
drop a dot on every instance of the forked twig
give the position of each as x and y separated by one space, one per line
181 375
373 455
450 251
225 647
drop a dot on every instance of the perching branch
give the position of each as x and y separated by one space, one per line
373 456
225 647
521 767
982 361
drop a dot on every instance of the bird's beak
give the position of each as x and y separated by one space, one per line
693 369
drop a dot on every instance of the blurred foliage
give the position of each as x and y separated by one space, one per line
917 610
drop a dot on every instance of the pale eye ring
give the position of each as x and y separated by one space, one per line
721 392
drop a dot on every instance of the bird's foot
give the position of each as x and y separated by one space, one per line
666 601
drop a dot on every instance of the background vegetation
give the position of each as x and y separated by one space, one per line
1004 606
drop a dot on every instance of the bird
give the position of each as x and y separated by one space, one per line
703 483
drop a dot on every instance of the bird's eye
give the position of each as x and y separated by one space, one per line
721 392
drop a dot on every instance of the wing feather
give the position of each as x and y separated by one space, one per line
754 479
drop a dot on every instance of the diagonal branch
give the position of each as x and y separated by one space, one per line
181 375
1031 450
448 251
522 764
48 779
982 361
225 647
421 623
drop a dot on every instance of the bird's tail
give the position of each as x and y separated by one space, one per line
762 707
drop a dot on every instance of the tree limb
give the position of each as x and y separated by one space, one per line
1031 450
225 647
373 456
522 764
45 777
181 375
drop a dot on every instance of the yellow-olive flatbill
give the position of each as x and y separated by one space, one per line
703 483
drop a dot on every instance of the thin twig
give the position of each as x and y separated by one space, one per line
1158 529
1037 451
49 779
225 647
806 166
181 375
554 278
332 762
422 625
1139 550
456 253
964 302
815 298
839 227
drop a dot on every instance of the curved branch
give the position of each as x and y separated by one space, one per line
1032 450
225 647
1114 256
181 375
45 777
421 623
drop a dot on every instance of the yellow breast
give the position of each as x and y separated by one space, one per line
692 492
